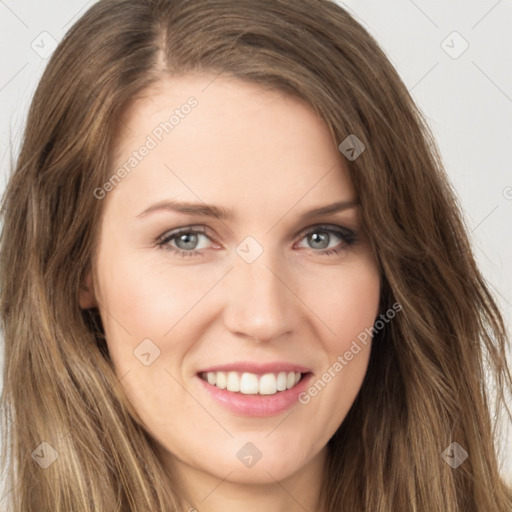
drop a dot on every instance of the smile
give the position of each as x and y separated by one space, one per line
254 389
252 384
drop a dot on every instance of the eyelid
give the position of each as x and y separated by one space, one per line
185 229
328 227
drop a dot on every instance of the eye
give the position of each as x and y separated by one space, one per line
186 241
320 237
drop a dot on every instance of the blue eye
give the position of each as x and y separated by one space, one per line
184 241
320 236
187 238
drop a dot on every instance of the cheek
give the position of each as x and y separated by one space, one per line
141 302
348 308
351 306
348 305
148 299
145 298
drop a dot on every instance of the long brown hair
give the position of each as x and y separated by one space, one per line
425 384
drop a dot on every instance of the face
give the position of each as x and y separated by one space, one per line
219 319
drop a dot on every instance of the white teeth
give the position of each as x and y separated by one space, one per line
252 384
220 380
249 384
290 380
233 383
268 384
281 381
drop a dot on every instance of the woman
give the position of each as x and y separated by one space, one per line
176 340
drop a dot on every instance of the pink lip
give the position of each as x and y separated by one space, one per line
256 405
258 369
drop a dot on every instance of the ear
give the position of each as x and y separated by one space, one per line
87 297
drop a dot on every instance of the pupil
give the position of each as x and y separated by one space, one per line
316 237
192 240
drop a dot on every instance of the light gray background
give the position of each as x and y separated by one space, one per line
467 99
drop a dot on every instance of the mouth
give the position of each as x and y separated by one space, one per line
247 383
251 389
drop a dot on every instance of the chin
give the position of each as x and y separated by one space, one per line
244 462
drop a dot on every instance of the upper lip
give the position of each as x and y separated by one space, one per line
258 369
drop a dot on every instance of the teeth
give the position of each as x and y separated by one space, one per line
233 382
220 380
252 384
281 381
248 384
268 384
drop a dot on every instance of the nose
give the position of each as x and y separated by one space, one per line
260 304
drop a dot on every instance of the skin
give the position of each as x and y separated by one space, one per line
269 158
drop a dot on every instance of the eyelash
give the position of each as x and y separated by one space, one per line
348 236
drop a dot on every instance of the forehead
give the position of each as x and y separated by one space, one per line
209 137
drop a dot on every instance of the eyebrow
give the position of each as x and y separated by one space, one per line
210 210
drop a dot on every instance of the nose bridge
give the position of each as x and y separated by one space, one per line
259 303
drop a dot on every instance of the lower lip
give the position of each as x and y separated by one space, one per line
257 405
